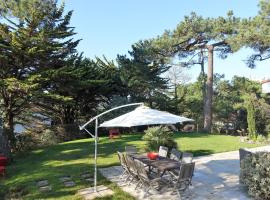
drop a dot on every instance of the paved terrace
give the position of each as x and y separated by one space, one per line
216 177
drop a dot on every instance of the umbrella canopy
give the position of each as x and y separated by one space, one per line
144 116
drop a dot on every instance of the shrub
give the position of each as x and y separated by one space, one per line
48 138
159 136
255 174
30 140
26 141
261 138
267 129
67 132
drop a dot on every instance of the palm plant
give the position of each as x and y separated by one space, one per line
159 136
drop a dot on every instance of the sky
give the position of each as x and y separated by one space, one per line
110 27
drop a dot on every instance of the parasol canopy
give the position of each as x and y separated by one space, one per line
145 116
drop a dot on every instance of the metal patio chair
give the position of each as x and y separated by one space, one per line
123 163
146 179
132 169
176 155
186 157
181 179
163 151
131 149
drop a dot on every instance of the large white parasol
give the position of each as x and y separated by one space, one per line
140 116
145 116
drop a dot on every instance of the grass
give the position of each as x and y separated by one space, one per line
75 157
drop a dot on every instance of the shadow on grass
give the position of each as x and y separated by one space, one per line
191 135
201 152
52 174
64 159
70 158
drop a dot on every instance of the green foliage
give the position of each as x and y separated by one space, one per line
193 104
78 89
30 140
48 138
35 36
251 118
73 158
267 129
254 33
191 38
255 175
159 136
261 138
25 142
141 75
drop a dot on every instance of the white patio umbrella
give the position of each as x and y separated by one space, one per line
140 116
144 116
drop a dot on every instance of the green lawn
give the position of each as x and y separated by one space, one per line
75 157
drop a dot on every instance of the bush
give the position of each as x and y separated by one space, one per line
26 141
261 139
159 136
48 138
30 140
255 174
67 132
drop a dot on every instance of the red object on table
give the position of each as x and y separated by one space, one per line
114 133
152 155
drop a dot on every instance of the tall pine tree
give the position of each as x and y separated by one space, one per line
194 35
35 36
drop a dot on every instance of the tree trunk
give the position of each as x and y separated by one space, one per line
9 129
175 98
203 84
209 91
4 143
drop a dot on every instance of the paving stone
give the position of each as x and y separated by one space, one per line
69 183
89 179
216 177
64 179
42 183
87 175
45 188
219 186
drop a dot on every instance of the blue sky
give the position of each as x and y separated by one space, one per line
110 27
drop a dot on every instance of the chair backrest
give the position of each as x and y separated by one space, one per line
187 157
163 151
131 149
186 172
127 167
142 173
175 154
131 164
121 159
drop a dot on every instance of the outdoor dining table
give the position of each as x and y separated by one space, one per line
162 164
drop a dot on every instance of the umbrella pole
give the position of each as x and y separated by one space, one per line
95 176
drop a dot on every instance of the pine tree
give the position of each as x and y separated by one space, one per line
195 34
141 74
254 33
35 36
